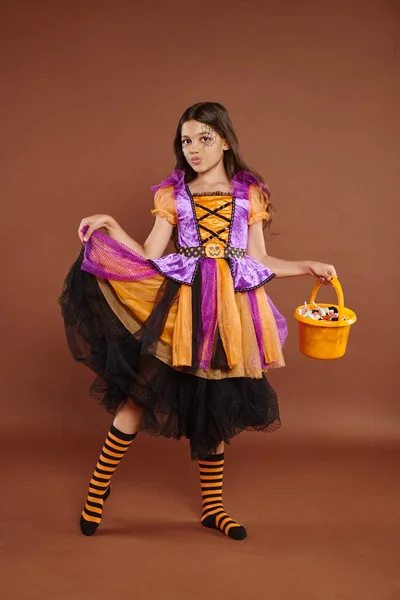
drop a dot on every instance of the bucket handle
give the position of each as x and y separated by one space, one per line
339 292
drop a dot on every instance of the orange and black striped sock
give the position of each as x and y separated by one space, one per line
114 448
214 515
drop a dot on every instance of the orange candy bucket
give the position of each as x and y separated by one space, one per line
325 339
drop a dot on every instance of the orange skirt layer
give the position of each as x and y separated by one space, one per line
234 318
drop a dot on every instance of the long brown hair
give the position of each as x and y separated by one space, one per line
216 116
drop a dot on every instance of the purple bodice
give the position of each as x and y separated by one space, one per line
247 273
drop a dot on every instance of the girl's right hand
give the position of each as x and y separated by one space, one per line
90 224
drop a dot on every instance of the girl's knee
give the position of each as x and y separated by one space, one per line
128 417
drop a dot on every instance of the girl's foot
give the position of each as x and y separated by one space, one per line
214 515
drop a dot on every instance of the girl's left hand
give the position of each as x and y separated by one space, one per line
322 271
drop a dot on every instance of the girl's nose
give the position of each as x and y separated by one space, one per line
194 147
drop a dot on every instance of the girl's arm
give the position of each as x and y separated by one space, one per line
153 247
284 268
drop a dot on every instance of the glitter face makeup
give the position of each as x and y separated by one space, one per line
209 136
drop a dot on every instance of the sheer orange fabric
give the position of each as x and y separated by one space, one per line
139 297
165 204
258 206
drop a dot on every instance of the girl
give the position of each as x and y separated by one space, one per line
181 343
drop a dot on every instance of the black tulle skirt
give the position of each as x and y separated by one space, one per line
176 402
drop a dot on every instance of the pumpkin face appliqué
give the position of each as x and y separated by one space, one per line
214 250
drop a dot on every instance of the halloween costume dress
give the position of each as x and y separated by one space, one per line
189 336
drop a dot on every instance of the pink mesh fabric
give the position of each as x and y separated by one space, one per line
255 311
280 322
109 259
208 308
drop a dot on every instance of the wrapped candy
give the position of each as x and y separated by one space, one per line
319 313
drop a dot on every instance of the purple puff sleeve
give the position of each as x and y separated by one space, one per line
242 181
176 179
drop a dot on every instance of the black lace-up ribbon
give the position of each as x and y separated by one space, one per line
209 212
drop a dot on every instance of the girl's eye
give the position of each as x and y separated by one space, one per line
184 142
206 139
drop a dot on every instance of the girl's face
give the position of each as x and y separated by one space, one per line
202 146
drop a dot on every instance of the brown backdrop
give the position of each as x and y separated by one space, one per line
92 93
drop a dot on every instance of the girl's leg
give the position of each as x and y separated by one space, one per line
213 515
120 436
128 417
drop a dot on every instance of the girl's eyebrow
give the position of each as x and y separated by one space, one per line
197 135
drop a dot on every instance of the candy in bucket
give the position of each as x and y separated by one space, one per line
319 313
